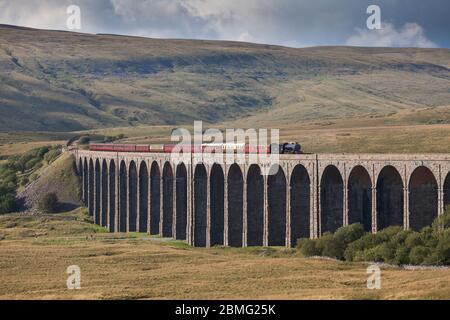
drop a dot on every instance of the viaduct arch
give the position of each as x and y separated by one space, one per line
233 204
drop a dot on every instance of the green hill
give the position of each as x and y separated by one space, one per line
61 81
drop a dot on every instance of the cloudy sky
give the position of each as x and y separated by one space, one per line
295 23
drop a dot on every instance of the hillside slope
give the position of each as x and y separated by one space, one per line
58 177
61 81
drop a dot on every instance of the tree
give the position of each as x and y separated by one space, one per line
49 202
7 203
84 140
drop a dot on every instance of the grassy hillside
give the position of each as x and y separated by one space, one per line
58 177
60 81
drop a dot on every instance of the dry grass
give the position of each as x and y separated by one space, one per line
353 135
66 81
341 136
12 149
19 142
35 252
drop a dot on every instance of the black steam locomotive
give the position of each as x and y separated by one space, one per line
290 148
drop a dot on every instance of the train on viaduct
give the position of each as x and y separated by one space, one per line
233 204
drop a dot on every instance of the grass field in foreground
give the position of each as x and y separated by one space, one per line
36 251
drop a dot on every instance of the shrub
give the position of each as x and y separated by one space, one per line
301 242
369 254
401 255
10 181
84 140
329 246
21 162
23 181
3 189
354 250
308 247
108 139
42 151
7 203
386 234
441 223
392 245
432 258
400 237
52 155
387 251
6 172
350 233
419 254
428 237
32 163
414 239
442 250
49 202
34 176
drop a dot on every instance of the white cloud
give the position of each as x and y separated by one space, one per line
259 21
295 23
410 35
38 14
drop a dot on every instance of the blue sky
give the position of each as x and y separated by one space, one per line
295 23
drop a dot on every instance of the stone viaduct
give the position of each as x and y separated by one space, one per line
234 205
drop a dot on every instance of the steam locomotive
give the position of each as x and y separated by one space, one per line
284 148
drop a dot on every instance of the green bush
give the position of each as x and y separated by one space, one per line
29 159
329 246
414 239
49 203
370 254
4 190
442 250
32 164
10 180
84 140
367 241
23 181
441 223
350 233
401 255
429 237
108 139
387 251
7 170
430 246
42 151
419 254
7 203
400 237
387 234
332 245
52 155
301 242
34 176
308 247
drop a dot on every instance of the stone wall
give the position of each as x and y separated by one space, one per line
232 204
